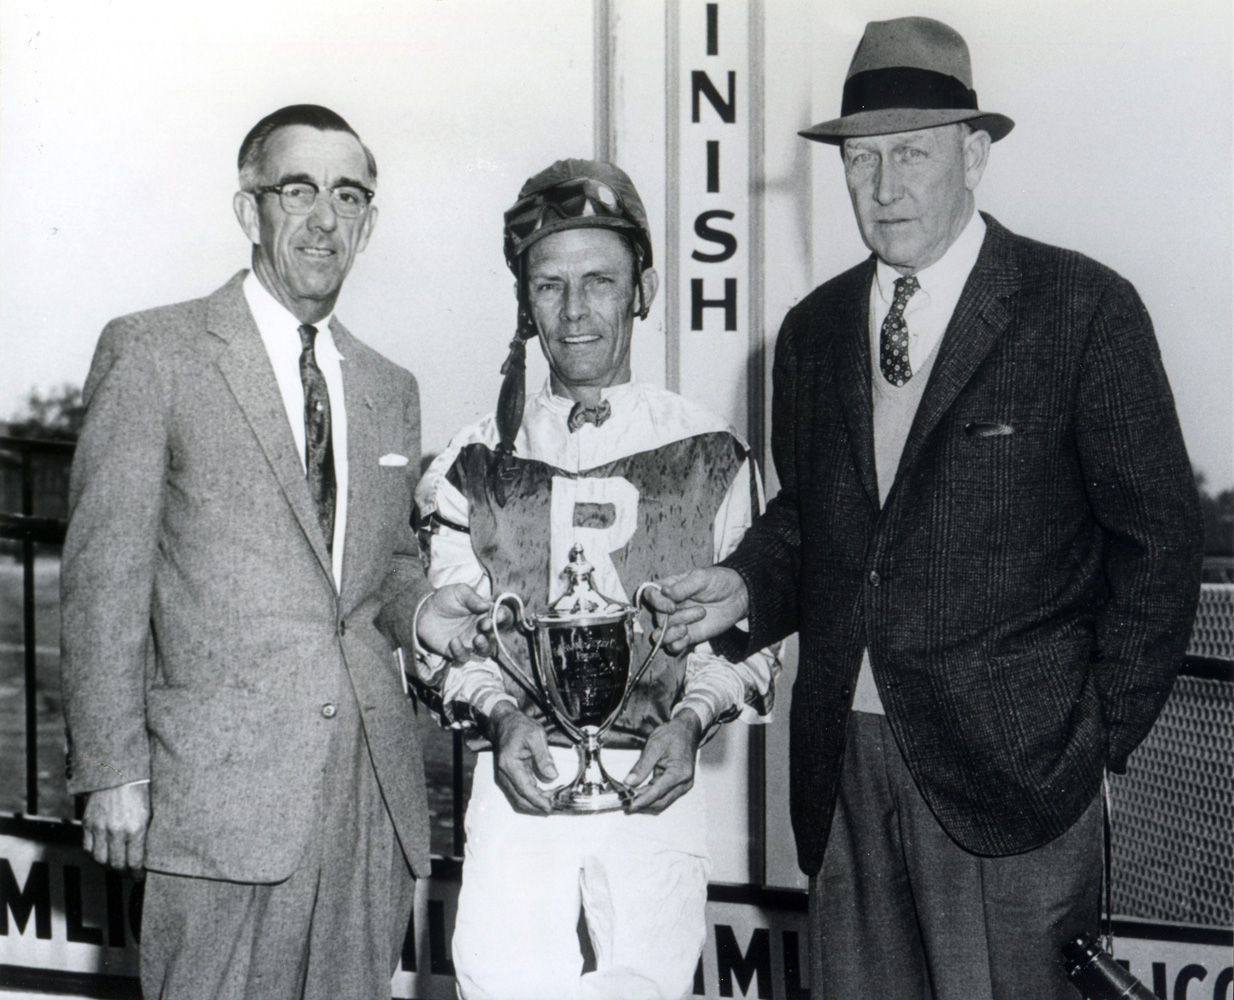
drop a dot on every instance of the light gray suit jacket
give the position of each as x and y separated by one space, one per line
202 629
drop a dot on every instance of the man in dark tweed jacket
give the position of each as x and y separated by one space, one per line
988 538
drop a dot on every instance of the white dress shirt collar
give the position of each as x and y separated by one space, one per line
614 395
929 310
276 325
947 273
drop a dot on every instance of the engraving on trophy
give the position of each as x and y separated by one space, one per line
594 665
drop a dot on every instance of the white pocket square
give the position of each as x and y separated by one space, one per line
392 459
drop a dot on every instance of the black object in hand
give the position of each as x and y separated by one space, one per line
1094 973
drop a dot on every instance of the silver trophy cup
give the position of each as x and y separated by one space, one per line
581 657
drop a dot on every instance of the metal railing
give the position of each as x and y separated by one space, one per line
29 531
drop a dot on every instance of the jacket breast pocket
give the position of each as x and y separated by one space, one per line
988 429
396 479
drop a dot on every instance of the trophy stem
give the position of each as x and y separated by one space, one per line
594 790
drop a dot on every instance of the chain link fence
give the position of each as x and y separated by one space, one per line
1173 811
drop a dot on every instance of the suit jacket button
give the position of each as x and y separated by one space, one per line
328 711
875 579
342 628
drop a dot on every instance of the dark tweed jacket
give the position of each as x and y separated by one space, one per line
1027 592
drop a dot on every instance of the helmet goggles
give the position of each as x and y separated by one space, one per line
576 202
572 199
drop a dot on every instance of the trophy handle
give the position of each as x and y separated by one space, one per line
510 665
638 676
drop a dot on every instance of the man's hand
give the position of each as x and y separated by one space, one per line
114 826
448 623
669 757
520 756
695 606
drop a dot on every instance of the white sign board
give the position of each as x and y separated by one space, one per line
67 928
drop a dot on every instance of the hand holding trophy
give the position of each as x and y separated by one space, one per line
581 657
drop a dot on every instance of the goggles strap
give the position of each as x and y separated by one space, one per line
644 307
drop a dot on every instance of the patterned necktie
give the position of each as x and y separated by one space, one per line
893 340
318 445
581 414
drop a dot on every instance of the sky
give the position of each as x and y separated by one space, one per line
119 123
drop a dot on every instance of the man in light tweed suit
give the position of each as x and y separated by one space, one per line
238 568
988 538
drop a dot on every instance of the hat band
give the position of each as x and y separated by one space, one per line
904 87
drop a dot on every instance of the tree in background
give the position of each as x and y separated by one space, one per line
1218 519
48 415
55 414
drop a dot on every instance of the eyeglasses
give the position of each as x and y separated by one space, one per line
298 198
570 200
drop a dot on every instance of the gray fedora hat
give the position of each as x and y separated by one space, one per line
907 74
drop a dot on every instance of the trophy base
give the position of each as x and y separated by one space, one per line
593 791
581 801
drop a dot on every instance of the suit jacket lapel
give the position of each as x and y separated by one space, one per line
852 376
250 376
361 390
979 319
